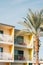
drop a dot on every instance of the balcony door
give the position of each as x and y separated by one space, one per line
18 53
19 40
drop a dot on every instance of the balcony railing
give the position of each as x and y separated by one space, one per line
5 56
5 38
22 44
18 57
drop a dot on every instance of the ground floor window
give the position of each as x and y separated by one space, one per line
30 63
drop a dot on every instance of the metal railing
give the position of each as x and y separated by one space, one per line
5 38
18 57
5 56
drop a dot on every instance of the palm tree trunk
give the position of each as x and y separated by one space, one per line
37 49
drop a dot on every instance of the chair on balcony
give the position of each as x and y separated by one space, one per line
22 43
21 58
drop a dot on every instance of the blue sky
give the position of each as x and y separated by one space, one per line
12 11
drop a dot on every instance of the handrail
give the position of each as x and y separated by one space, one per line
5 56
5 37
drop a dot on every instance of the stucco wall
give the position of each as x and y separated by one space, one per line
5 48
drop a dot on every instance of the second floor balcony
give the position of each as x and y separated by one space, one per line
4 38
20 55
20 58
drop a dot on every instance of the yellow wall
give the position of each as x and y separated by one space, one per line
30 53
3 63
5 48
8 49
9 30
26 54
12 50
25 63
27 39
6 31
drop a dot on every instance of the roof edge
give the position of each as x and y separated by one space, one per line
7 25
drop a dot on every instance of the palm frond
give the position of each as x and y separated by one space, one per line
25 25
30 19
33 20
27 22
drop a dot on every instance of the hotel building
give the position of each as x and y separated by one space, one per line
16 46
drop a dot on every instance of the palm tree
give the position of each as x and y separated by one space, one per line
33 22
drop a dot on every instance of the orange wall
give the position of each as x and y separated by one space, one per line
5 48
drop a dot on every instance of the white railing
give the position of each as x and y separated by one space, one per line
18 57
5 56
5 38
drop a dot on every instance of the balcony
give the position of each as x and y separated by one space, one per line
5 39
19 42
5 56
23 45
21 59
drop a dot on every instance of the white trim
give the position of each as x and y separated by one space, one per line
9 43
23 61
6 60
23 46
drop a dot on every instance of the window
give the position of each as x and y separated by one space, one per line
20 53
17 54
1 49
1 31
30 63
15 40
19 40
